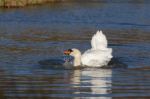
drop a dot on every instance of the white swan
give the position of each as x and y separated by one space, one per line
98 56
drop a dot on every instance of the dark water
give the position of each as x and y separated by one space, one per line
31 34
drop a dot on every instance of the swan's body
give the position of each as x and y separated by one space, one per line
98 56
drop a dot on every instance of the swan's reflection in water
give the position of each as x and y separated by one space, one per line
97 82
56 84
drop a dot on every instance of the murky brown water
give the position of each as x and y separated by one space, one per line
29 35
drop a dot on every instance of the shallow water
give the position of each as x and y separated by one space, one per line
31 34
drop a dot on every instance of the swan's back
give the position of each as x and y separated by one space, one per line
97 58
99 41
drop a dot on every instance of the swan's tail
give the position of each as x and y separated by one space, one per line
99 41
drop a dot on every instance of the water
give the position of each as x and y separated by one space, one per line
29 35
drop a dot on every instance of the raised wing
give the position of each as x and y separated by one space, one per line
99 41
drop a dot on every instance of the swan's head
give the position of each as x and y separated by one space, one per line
72 52
76 54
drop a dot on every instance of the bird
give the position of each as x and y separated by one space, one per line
99 55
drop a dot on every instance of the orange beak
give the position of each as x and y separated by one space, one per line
67 52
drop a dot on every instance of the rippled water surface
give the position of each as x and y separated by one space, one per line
29 35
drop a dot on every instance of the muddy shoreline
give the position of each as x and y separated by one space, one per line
24 3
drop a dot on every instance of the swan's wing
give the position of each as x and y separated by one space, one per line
99 41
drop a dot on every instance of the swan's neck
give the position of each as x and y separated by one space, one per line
77 60
77 57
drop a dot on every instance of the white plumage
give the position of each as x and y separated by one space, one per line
99 41
99 55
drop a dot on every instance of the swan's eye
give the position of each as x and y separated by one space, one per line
70 50
67 52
